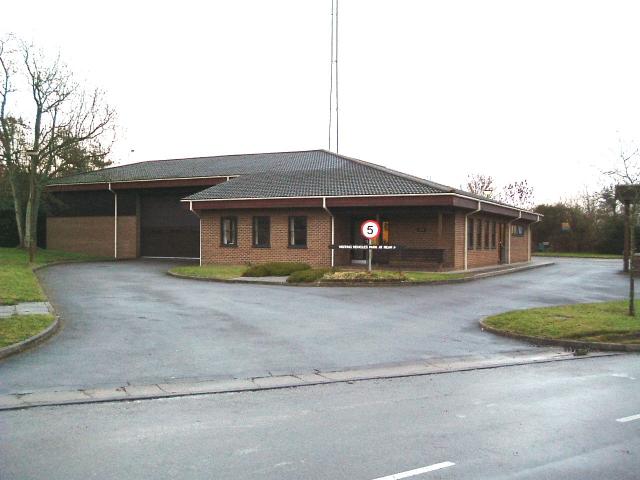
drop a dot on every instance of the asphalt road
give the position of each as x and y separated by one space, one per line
130 322
547 421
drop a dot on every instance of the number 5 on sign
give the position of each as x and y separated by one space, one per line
370 229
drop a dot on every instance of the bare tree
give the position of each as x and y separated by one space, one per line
63 116
626 174
519 194
481 185
12 133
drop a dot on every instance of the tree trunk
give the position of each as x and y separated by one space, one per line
31 210
19 211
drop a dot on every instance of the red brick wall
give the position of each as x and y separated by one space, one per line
342 226
425 232
93 235
520 245
480 255
317 252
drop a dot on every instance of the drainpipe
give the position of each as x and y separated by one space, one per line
115 222
509 236
466 235
333 251
530 236
200 232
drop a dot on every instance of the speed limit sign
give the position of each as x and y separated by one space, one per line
370 229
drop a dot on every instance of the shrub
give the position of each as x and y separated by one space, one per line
366 277
275 269
308 276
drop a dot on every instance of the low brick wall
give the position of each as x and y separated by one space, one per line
93 235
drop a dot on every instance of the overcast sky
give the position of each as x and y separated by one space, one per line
540 90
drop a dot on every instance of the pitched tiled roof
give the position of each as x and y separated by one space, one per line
312 173
319 173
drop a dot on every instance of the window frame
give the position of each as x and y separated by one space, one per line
291 231
255 231
487 235
234 231
518 231
494 235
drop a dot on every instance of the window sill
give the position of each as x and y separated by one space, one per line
303 247
234 245
261 246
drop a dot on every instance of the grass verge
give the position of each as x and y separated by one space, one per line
216 272
302 273
17 328
576 255
432 276
18 283
589 322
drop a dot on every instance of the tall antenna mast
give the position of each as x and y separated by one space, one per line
333 88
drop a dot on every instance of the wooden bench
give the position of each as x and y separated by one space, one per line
422 255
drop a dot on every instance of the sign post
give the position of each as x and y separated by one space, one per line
370 229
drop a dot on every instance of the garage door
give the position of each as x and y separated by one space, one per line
167 229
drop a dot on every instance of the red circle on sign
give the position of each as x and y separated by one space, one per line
370 229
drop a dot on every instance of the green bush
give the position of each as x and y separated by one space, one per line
275 269
308 276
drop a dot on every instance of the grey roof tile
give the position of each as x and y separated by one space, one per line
267 175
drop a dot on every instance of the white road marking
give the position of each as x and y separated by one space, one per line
628 419
417 471
623 375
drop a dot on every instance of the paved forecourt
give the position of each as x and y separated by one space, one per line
129 322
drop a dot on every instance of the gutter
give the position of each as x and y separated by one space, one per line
333 251
466 234
444 194
199 232
115 222
509 236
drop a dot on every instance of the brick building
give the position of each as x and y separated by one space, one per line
289 206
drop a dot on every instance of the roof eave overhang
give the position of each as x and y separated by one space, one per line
138 184
436 200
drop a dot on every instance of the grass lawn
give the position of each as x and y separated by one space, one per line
593 322
432 276
20 327
576 255
219 272
18 283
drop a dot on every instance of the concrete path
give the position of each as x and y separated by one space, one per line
26 308
130 323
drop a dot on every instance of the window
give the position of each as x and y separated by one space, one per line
487 238
298 232
261 232
478 229
229 231
470 234
517 230
494 226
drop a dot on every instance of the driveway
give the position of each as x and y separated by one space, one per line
130 322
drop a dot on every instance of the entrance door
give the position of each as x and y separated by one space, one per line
502 245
